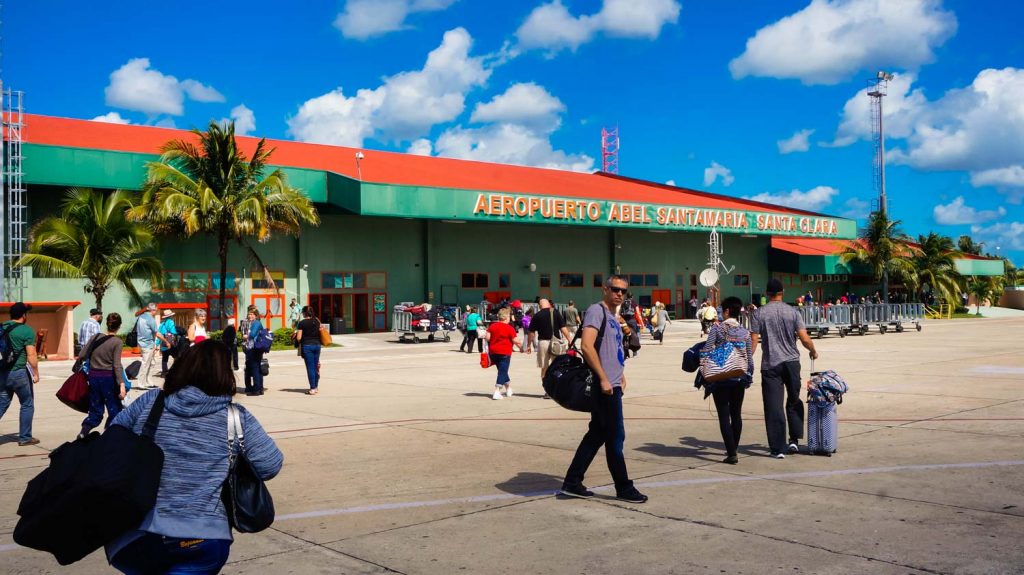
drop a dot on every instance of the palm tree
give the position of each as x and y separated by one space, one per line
966 245
884 249
93 239
935 265
982 289
214 189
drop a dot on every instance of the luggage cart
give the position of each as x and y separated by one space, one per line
814 320
838 316
858 319
911 313
413 325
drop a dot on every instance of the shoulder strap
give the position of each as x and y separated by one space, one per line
94 343
155 412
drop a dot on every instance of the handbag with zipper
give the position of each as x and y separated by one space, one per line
558 345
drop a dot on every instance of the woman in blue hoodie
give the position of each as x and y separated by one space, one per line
188 530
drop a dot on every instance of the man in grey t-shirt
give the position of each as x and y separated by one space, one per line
777 326
607 362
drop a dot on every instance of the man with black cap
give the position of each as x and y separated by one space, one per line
19 369
777 326
90 327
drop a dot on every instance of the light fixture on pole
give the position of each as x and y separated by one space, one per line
876 92
359 169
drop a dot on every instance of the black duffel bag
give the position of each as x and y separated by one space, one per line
95 489
569 380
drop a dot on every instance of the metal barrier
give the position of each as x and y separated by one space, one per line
402 323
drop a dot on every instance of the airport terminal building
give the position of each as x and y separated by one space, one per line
399 227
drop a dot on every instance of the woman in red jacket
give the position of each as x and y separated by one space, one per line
500 338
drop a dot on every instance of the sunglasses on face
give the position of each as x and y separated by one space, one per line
617 290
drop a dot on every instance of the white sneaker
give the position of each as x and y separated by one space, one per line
508 391
497 394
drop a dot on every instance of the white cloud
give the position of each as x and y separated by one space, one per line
855 209
979 128
715 171
831 40
552 27
1006 235
112 118
670 183
813 200
405 106
957 213
336 119
796 143
136 86
524 103
363 19
509 144
420 147
244 119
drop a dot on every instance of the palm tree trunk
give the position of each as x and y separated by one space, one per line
222 253
98 292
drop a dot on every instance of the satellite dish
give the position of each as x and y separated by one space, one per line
709 277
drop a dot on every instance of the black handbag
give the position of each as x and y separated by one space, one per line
569 380
94 489
246 498
265 367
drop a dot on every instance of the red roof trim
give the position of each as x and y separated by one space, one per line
395 168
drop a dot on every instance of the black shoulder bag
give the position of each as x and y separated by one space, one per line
94 489
246 498
569 380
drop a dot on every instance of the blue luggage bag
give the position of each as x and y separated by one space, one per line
822 428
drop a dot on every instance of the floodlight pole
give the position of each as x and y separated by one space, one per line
881 84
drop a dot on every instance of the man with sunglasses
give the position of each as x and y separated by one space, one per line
607 361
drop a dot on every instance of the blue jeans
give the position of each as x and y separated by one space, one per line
18 382
311 355
501 362
103 393
606 428
253 376
152 554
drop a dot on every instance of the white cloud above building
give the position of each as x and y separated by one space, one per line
552 27
364 19
138 87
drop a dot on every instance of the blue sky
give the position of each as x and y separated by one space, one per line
747 98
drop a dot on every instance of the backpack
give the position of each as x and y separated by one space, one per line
628 309
827 387
132 339
264 341
8 357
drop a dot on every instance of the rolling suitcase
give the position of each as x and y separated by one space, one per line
822 428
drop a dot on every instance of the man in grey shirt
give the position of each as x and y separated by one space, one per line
777 326
607 362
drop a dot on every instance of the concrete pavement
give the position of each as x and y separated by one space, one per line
404 464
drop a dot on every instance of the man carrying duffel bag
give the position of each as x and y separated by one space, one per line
607 361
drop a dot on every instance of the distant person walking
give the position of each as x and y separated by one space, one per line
572 318
528 336
474 326
501 337
777 326
187 530
708 317
90 327
23 372
148 333
607 361
728 394
253 357
545 326
197 331
659 321
307 333
693 303
106 376
170 332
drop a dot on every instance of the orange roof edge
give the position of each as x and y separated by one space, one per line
7 304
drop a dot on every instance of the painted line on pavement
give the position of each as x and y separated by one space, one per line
649 485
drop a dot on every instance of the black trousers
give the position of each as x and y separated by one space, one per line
776 382
470 338
729 404
607 428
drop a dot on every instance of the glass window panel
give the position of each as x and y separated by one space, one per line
172 281
741 280
504 280
376 280
679 279
598 280
693 279
215 285
482 281
468 280
545 280
570 280
196 281
359 280
651 280
636 280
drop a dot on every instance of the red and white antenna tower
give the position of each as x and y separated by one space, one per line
610 150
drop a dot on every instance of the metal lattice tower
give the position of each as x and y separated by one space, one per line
15 213
610 150
876 91
715 253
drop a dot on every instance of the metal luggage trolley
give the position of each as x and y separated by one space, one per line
858 319
911 313
838 316
411 327
814 320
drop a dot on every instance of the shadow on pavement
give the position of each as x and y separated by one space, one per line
531 484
